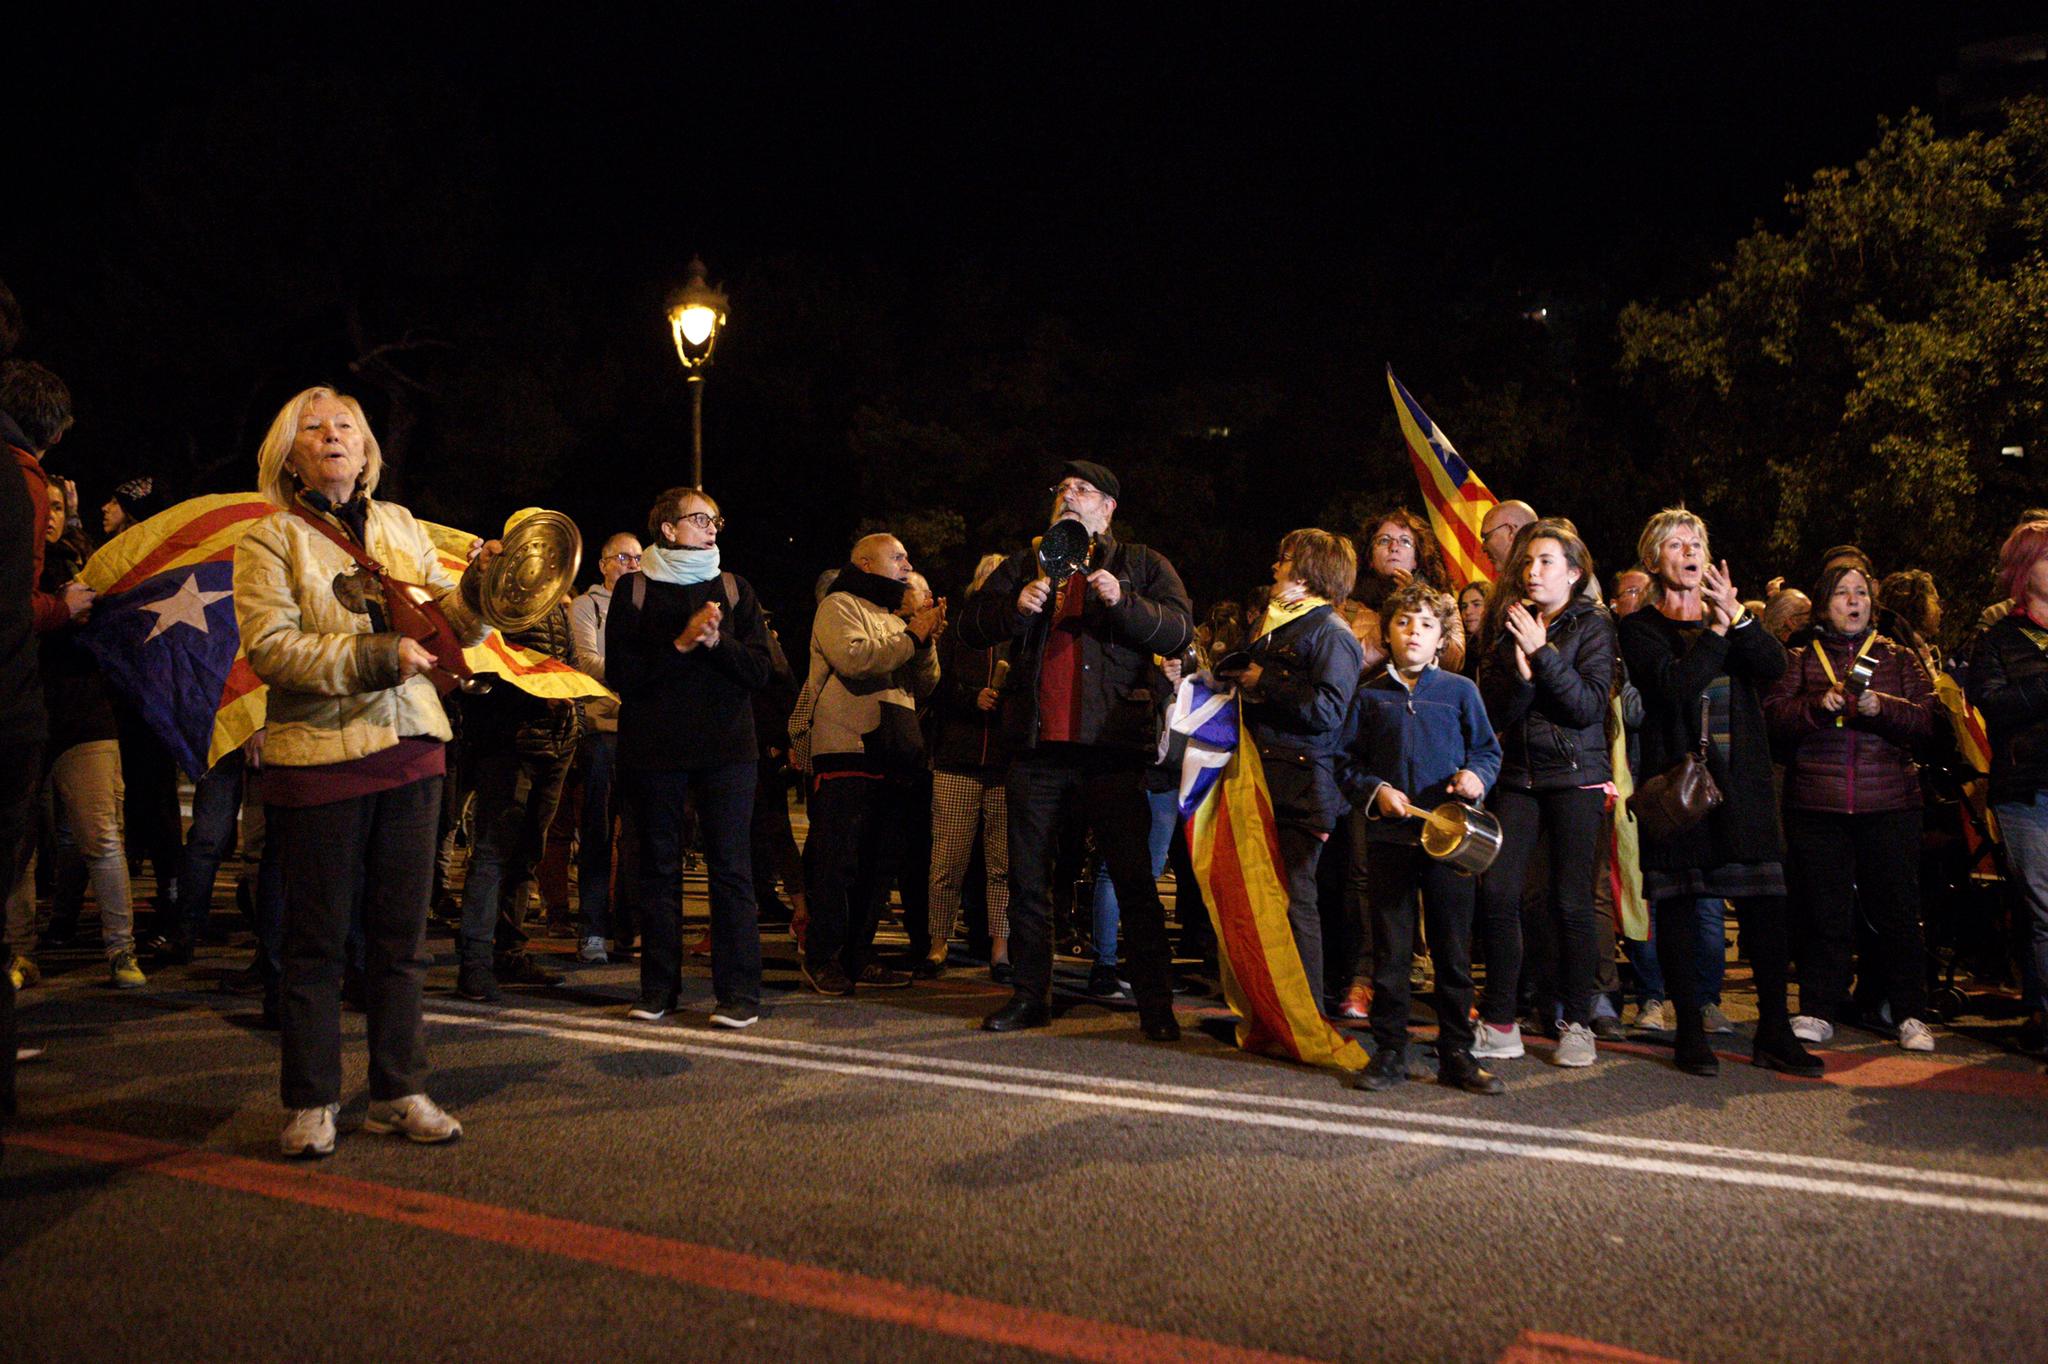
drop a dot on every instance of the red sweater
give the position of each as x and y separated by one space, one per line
50 610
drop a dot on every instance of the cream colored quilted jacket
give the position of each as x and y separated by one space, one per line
334 687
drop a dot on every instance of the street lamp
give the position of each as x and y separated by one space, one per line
696 316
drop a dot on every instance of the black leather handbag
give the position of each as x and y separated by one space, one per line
1680 796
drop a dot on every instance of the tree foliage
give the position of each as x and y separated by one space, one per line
1855 375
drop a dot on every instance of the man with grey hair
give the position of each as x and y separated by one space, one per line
1497 531
1083 721
869 666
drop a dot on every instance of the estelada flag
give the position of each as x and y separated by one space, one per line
163 628
1458 502
1235 847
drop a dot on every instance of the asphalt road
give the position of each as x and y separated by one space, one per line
872 1178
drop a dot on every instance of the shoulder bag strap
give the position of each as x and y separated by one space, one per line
348 546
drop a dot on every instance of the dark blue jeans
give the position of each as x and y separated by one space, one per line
600 754
724 797
216 802
516 796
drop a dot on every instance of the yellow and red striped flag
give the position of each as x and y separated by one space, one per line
1235 847
1457 500
164 630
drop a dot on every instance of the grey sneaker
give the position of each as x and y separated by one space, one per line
1575 1046
415 1116
592 952
1497 1044
1653 1017
309 1132
1713 1020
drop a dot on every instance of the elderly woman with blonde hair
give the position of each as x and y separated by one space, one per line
1702 663
353 760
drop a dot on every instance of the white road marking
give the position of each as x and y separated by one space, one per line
1561 1145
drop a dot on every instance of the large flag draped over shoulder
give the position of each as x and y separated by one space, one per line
1234 846
1458 502
163 628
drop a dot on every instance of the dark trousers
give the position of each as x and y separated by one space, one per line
377 850
775 851
1397 871
516 795
600 755
21 767
1300 851
1107 790
155 829
843 869
216 805
725 810
1568 822
1834 863
1765 945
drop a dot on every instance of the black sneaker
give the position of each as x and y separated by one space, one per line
477 981
524 970
1388 1067
879 977
1102 982
250 980
829 979
1002 973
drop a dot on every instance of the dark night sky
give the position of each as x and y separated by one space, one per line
1216 199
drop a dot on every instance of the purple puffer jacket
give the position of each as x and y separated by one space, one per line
1865 765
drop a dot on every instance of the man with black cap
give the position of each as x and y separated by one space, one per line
1083 718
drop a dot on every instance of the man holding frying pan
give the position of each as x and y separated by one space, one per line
1085 615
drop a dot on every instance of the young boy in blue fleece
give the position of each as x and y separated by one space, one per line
1416 736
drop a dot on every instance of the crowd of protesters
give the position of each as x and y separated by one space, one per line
1004 759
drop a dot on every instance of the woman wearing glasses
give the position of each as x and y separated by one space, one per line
685 649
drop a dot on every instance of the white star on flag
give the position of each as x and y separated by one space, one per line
186 606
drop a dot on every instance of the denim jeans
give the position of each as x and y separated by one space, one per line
1165 810
86 784
216 801
725 812
2025 826
516 795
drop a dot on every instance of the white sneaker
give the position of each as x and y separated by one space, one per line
309 1131
734 1017
416 1116
592 952
1713 1020
1497 1044
1652 1017
1807 1028
1575 1046
1916 1036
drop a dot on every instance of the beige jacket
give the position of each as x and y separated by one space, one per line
335 693
862 658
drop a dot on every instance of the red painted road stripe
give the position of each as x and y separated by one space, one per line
1544 1347
684 1262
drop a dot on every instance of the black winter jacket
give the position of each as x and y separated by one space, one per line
1553 727
1309 670
1118 706
1672 675
966 738
2009 682
677 710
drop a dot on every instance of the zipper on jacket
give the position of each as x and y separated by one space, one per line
1851 779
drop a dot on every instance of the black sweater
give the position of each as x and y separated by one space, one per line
684 710
1672 674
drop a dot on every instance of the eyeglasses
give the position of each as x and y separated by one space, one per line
627 559
1074 487
703 520
1392 542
